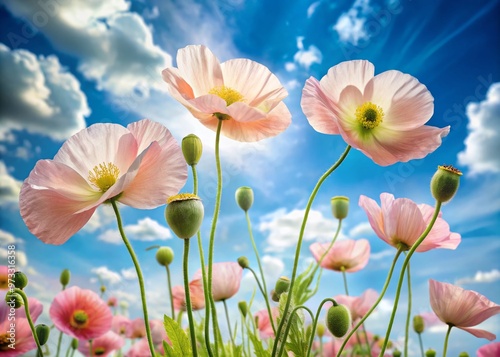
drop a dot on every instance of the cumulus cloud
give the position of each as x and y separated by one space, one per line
145 230
350 26
101 217
282 228
21 259
106 275
312 8
306 58
114 46
362 229
482 144
6 238
383 254
480 277
39 95
9 187
129 274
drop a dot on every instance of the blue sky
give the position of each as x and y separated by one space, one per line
66 65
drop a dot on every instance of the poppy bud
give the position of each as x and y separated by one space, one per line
192 149
320 330
103 289
445 182
275 297
74 343
14 300
243 262
20 280
64 277
418 324
42 332
396 353
184 214
430 353
338 320
463 354
242 305
340 206
282 285
244 197
164 256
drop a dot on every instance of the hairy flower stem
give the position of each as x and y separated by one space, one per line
408 313
402 273
288 326
315 322
344 276
228 322
189 308
264 287
269 312
169 282
59 340
382 293
139 276
299 244
445 348
30 321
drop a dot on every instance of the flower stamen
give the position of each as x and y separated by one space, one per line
104 176
79 319
369 115
228 94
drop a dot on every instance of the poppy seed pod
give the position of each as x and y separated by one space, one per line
430 353
164 256
338 320
65 277
184 214
244 197
243 262
340 206
192 149
418 324
42 332
20 280
445 182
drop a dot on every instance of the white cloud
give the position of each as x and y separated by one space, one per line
383 254
39 95
482 145
306 58
290 66
283 228
6 238
107 275
273 268
129 274
145 230
9 187
351 24
362 229
312 8
114 46
151 13
101 217
21 259
480 277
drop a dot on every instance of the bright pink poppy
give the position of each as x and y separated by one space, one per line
462 308
140 166
103 345
358 305
348 254
196 293
264 324
80 313
226 279
243 93
120 325
4 277
489 350
403 221
383 116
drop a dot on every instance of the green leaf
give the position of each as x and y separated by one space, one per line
180 341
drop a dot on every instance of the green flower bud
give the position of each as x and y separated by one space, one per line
74 343
65 277
275 297
243 262
338 320
320 330
192 149
164 256
340 206
445 182
282 285
42 332
14 300
463 354
20 280
418 324
396 353
242 305
430 353
184 214
244 197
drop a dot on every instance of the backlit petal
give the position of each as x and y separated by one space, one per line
356 73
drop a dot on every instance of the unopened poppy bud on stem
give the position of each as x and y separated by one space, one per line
282 285
430 353
20 280
396 353
243 262
463 354
418 324
338 320
445 182
184 214
14 300
42 332
274 296
65 277
244 197
164 256
192 149
340 206
320 330
242 305
74 343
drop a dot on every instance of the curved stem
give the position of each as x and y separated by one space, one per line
445 348
28 317
268 306
287 329
139 276
382 293
315 322
299 243
402 274
169 281
342 269
408 313
228 322
264 287
318 264
421 344
189 308
365 334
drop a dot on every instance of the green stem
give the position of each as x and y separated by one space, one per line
321 345
264 287
213 228
203 272
287 329
91 352
421 344
189 308
445 348
30 321
382 293
365 334
228 322
408 313
315 322
169 281
342 269
59 340
268 306
402 274
68 351
139 276
299 243
318 264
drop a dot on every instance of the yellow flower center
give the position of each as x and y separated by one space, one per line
99 351
79 319
369 115
5 342
228 94
3 282
104 176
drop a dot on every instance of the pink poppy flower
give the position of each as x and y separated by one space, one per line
80 313
264 324
112 301
462 308
383 116
140 166
351 255
120 324
403 221
225 281
358 305
243 93
158 332
4 277
489 350
196 293
139 349
102 346
136 329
